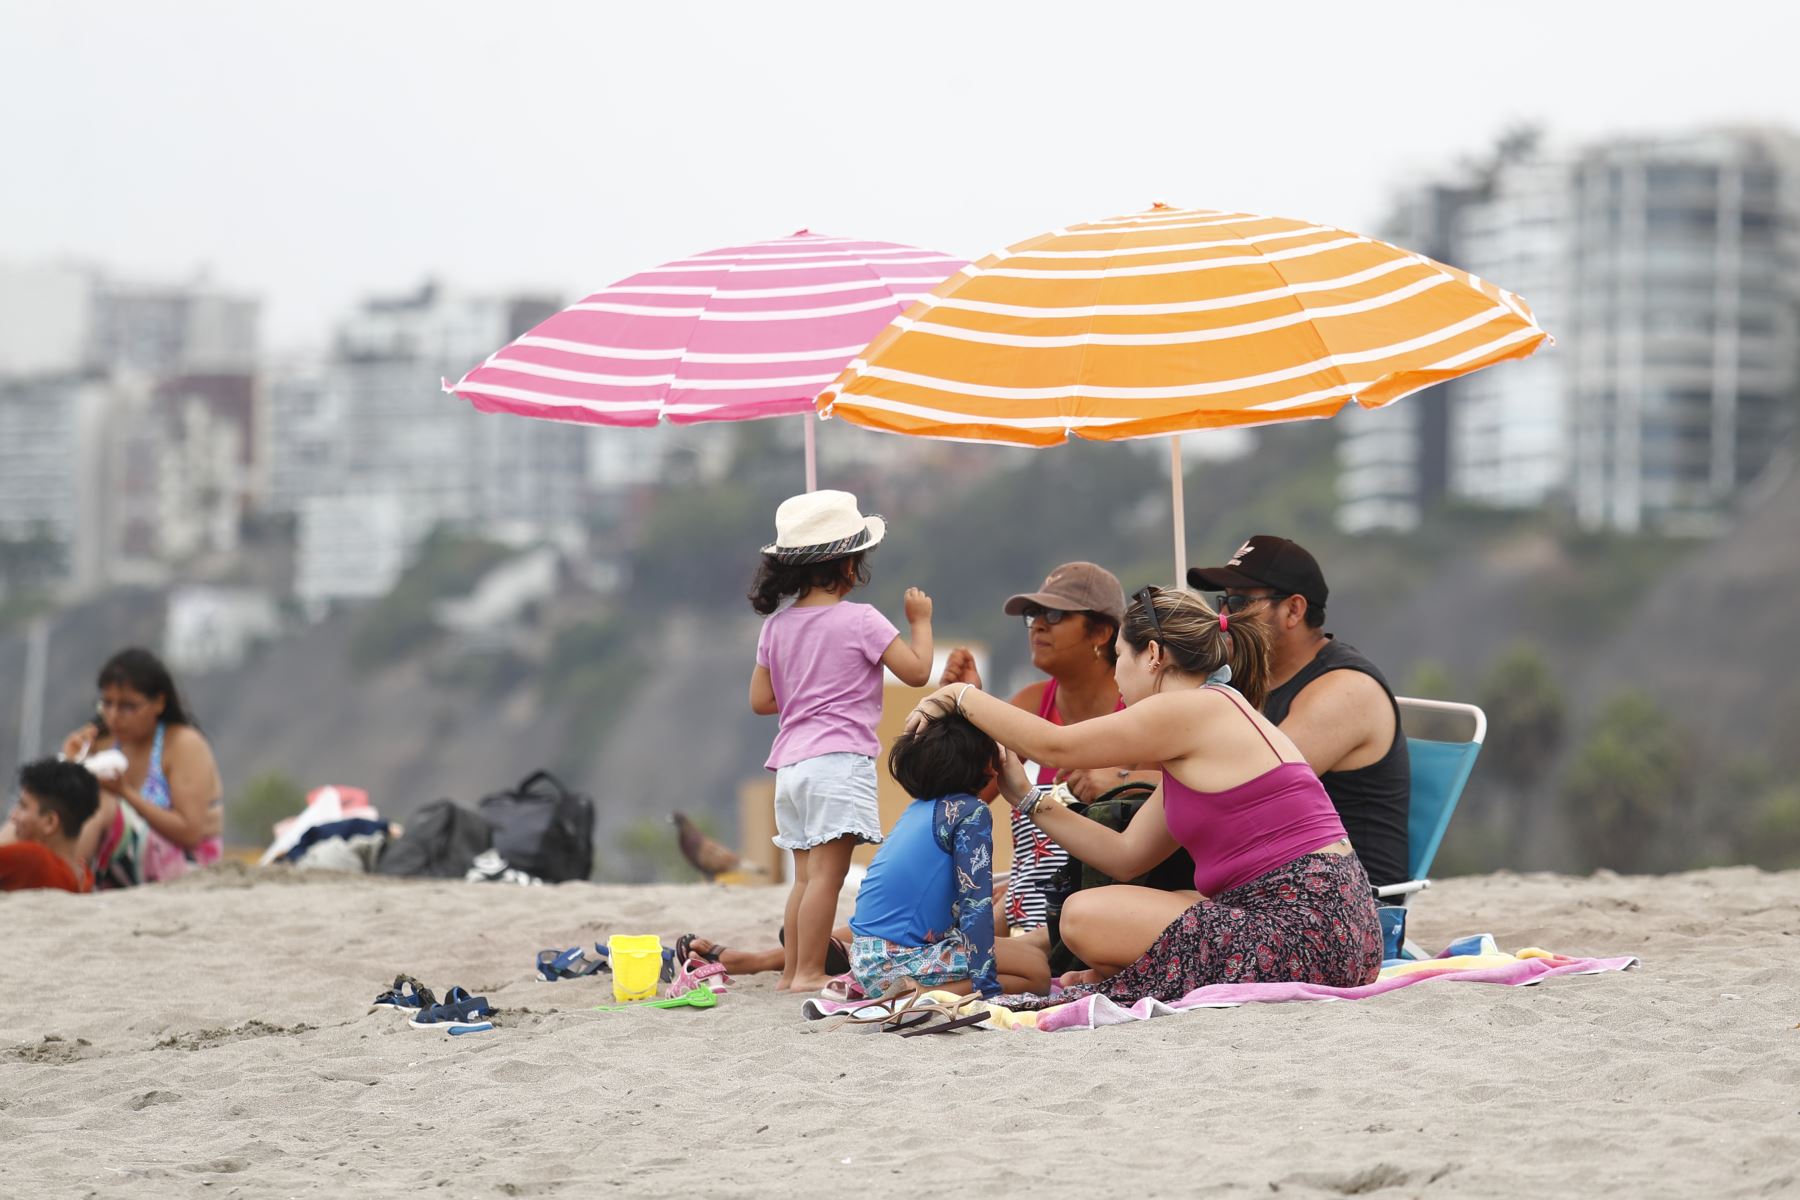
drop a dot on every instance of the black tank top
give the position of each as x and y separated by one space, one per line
1372 801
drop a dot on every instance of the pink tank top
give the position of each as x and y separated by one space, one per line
1047 710
1247 831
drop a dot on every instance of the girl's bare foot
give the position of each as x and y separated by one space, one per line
809 984
785 985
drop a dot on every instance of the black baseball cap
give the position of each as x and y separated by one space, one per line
1266 561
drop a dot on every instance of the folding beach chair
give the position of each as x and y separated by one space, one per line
1443 739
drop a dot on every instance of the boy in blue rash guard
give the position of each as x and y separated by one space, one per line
926 907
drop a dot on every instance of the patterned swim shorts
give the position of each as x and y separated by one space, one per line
878 963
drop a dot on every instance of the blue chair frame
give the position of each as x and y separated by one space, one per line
1443 738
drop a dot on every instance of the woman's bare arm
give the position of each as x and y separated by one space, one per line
194 791
1123 855
1155 730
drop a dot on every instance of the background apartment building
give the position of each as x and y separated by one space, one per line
369 454
129 419
1668 269
1682 301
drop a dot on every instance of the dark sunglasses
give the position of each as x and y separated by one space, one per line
1146 596
1233 602
1051 616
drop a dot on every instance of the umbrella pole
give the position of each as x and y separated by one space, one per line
812 452
1180 511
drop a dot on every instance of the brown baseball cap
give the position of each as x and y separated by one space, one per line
1075 587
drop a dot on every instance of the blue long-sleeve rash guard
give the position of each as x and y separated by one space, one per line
934 872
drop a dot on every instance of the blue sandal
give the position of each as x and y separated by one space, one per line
407 995
572 963
459 1013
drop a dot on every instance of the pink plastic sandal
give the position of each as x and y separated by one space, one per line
843 988
696 972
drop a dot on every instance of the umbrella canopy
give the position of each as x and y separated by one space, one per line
1172 320
727 335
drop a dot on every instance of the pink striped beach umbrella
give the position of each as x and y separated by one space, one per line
727 335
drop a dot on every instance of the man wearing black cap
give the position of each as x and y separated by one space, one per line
1324 695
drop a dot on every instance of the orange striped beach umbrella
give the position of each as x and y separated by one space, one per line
1172 320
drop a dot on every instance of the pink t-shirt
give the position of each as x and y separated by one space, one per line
825 663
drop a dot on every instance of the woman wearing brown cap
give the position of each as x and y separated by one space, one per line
1072 622
1278 895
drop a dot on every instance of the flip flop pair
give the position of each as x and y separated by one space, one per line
941 1016
909 1010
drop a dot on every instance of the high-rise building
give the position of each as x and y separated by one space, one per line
1684 294
1507 433
53 518
1393 462
1668 269
130 439
173 329
371 426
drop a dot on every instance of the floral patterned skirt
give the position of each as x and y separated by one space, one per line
1310 921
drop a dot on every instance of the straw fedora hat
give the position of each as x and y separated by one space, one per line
820 526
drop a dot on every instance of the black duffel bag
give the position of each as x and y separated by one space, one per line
440 841
1114 810
543 829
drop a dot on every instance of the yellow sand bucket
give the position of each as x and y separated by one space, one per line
636 965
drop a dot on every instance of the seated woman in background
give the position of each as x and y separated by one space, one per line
1072 623
164 813
1278 894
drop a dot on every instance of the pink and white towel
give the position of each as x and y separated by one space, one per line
1474 960
1524 969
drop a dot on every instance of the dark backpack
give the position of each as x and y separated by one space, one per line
543 829
440 842
1113 810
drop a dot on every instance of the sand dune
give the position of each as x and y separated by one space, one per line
211 1038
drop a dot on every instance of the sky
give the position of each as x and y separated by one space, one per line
316 152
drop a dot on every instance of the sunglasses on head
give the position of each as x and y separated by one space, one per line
1146 596
1237 602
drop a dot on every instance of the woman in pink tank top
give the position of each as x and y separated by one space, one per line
1278 895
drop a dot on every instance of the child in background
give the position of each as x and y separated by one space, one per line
55 801
925 910
818 666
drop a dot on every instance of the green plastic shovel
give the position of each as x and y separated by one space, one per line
700 997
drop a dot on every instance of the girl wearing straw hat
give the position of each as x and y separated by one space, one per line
819 661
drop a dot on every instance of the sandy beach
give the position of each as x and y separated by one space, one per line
212 1037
